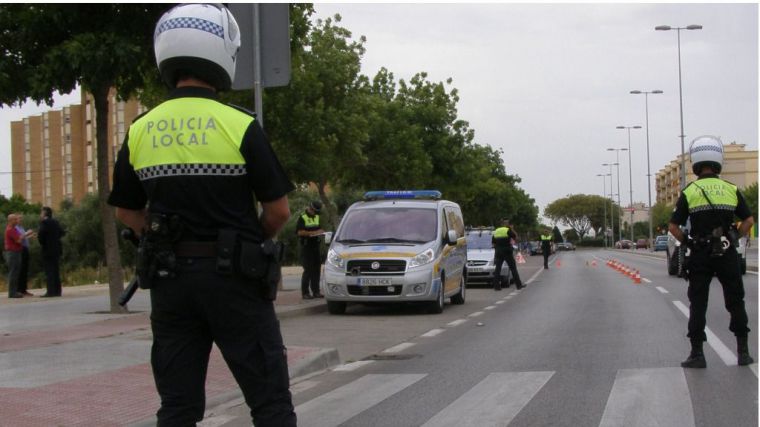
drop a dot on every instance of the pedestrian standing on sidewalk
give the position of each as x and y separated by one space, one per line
49 236
309 231
13 249
23 276
193 166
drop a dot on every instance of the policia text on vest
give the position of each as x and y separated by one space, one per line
183 131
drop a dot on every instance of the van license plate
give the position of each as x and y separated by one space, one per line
374 282
475 269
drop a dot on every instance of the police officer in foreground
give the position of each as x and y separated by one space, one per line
502 242
184 181
711 204
546 247
309 230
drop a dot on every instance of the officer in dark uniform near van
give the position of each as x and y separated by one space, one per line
309 231
711 204
502 242
190 168
546 247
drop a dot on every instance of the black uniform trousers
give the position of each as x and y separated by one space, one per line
198 308
500 256
312 268
546 252
52 274
702 267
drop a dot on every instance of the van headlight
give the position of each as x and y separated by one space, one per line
422 258
334 259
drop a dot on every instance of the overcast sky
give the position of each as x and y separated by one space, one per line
548 83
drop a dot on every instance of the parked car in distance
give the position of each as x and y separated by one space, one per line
625 244
642 244
565 246
661 243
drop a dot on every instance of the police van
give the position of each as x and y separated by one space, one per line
397 246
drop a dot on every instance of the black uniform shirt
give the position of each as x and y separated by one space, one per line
206 203
703 222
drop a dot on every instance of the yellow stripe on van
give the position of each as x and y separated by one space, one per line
377 255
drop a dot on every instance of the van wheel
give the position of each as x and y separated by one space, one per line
458 299
673 263
336 307
436 307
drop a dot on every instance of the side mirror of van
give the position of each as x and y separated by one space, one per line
452 237
328 237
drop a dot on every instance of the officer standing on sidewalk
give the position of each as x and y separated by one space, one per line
196 164
711 204
309 231
502 241
546 247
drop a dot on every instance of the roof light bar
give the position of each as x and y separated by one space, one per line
403 194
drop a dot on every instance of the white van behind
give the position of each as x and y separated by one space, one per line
397 246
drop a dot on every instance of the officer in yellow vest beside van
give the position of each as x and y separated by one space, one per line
546 247
711 204
502 243
309 231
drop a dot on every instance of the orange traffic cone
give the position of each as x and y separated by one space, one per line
593 263
558 263
637 278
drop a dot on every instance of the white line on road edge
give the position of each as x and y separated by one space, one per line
514 293
490 307
646 280
432 333
476 314
456 322
499 302
728 357
533 277
662 290
754 368
399 348
347 367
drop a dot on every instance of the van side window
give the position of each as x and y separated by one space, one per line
454 220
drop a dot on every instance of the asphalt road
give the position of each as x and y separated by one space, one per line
582 345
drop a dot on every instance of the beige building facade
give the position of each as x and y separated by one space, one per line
54 154
739 168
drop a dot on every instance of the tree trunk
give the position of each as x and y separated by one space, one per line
110 240
328 208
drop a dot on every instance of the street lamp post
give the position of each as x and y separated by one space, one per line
604 203
630 173
649 173
617 172
612 205
680 91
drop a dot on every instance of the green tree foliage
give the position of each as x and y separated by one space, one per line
661 217
750 194
17 204
50 48
557 235
581 212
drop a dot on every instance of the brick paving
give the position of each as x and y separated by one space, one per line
108 397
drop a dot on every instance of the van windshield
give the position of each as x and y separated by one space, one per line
479 240
389 225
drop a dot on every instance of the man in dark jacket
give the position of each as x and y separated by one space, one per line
49 236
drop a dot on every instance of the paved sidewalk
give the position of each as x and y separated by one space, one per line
69 362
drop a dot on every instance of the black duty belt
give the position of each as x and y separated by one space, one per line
188 249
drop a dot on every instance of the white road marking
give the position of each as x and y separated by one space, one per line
348 367
662 290
728 357
456 322
432 333
499 302
340 405
646 280
649 397
476 314
754 368
302 386
490 307
514 293
495 401
534 276
399 348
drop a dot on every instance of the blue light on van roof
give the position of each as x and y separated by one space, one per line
403 194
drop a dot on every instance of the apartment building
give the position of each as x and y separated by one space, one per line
54 154
739 167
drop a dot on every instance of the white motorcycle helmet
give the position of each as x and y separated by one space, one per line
706 150
201 40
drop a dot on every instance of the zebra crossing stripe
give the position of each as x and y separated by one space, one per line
344 403
495 401
649 397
